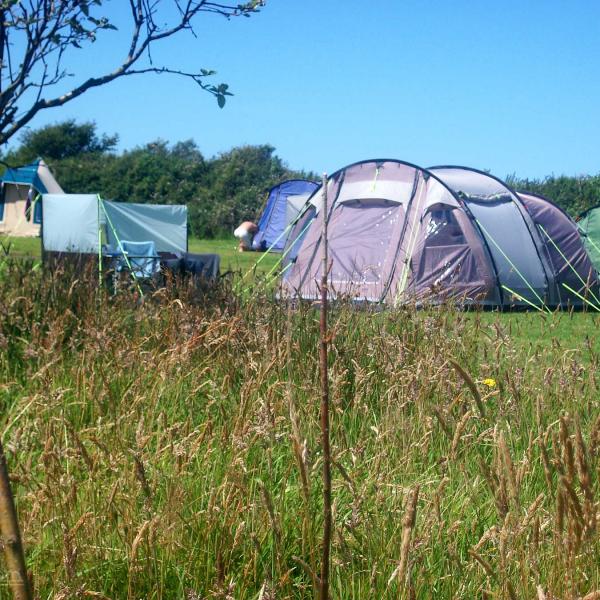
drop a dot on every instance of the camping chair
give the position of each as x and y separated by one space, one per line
140 258
143 258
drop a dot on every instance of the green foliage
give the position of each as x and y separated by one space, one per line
573 194
219 192
235 188
61 141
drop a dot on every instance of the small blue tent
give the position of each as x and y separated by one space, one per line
283 204
20 212
26 175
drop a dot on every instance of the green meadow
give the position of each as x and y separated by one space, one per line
171 449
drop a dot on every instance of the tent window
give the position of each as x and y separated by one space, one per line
37 211
443 229
445 256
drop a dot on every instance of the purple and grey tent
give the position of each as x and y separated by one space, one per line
283 204
571 262
399 233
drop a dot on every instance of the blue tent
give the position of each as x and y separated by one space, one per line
20 212
282 206
26 175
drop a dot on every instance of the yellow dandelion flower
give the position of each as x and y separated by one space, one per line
489 382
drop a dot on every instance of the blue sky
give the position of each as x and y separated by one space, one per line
510 86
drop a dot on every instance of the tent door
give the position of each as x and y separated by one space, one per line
517 262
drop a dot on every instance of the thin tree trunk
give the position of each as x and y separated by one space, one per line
2 44
11 536
324 582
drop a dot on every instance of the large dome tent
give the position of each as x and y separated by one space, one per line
398 233
378 211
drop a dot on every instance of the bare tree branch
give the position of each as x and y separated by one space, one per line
44 32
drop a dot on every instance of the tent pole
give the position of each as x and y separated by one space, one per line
323 351
283 255
581 297
270 281
412 243
521 298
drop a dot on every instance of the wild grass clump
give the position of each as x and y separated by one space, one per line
171 449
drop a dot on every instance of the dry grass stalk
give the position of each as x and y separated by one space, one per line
443 422
484 563
546 466
140 473
437 498
574 503
11 536
508 470
595 437
540 593
270 510
309 571
210 419
293 413
460 428
472 387
531 512
325 442
568 455
408 524
560 512
585 480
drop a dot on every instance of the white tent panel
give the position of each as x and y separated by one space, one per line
70 222
163 224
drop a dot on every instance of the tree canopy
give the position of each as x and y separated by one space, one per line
220 192
574 194
38 39
63 140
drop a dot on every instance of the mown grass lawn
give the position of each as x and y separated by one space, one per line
231 259
20 246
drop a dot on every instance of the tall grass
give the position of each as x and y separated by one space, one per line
171 450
